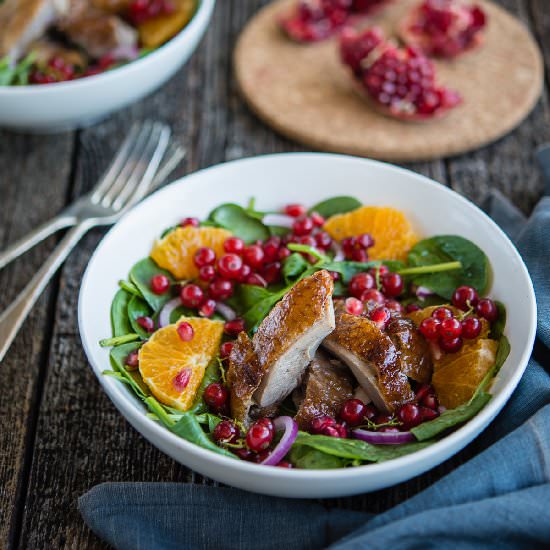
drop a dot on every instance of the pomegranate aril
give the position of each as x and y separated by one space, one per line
471 327
323 240
233 245
307 240
302 226
229 266
146 323
359 255
284 252
207 308
207 273
394 306
353 412
430 401
226 432
450 328
320 423
423 390
191 295
348 245
354 306
380 316
487 309
193 222
429 328
220 289
185 332
234 327
215 396
365 240
428 414
392 284
442 313
244 453
258 437
132 360
244 273
225 349
361 282
317 219
409 308
271 249
160 284
253 255
295 210
373 296
450 345
409 414
272 272
204 256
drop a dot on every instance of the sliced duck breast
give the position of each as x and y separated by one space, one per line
289 336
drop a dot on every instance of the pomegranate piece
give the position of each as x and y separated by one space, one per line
400 82
444 28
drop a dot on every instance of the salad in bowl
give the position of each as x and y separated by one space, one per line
322 336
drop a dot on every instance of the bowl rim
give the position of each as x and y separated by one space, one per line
199 20
456 440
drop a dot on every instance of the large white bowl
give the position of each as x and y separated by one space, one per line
66 105
274 181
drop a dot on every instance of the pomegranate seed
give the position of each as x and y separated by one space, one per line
410 308
185 332
471 327
160 284
191 295
392 284
333 431
372 296
284 464
215 396
371 411
380 316
146 323
382 419
284 252
428 414
348 245
442 313
302 226
354 306
323 240
317 219
359 255
334 275
181 380
429 328
423 390
450 328
207 273
451 345
233 245
244 454
256 279
132 360
193 222
361 282
234 327
465 297
394 306
365 240
226 432
220 289
266 422
353 412
271 249
204 256
308 240
430 401
295 210
259 437
253 255
207 308
272 272
320 423
409 414
381 270
229 266
225 349
487 309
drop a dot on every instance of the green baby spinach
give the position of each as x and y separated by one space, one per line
335 205
141 274
497 328
308 458
211 374
240 222
294 266
138 307
120 323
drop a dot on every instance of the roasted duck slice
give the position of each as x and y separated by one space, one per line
373 358
414 354
327 385
289 336
24 21
243 378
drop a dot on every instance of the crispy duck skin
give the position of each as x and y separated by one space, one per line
373 358
414 354
289 336
243 378
328 385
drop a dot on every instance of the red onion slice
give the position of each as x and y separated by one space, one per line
278 219
290 428
423 292
125 53
225 311
338 252
384 438
166 311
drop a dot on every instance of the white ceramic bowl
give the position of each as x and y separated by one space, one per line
66 105
306 178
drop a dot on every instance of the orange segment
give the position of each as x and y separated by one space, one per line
156 31
173 369
456 381
175 252
392 232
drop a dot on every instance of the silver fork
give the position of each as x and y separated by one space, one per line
128 180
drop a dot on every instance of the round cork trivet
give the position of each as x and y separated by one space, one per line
305 93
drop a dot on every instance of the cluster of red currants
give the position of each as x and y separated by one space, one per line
56 70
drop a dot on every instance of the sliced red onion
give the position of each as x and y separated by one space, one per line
384 438
166 311
290 428
125 53
281 220
423 292
339 255
225 311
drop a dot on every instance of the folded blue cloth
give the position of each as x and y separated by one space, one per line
499 499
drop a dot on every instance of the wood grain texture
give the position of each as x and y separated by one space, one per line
55 418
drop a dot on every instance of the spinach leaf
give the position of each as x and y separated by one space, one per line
120 323
138 308
132 378
211 374
448 248
347 269
278 230
497 328
311 459
294 266
189 428
256 313
335 205
355 449
211 420
180 312
503 351
129 287
118 340
240 222
141 275
16 74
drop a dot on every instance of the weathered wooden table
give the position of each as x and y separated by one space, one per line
59 434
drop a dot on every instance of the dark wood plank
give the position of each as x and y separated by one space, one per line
34 176
539 10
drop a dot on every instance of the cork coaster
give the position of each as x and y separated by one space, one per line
305 93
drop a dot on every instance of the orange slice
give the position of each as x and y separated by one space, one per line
457 380
392 232
156 31
173 369
175 252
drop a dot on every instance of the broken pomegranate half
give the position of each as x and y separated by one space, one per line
399 82
444 28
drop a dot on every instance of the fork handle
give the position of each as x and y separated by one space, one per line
34 237
12 319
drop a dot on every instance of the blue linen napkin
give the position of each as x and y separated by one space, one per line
499 499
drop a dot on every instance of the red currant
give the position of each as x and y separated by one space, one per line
185 332
465 297
204 256
160 284
317 219
410 308
471 328
365 240
308 240
353 412
409 414
271 249
450 328
233 245
430 401
354 306
229 266
220 289
272 272
423 390
371 411
215 396
225 349
226 432
451 345
245 272
442 313
372 295
259 437
394 306
359 255
207 308
295 210
253 255
487 309
320 423
193 222
348 245
428 414
381 315
302 226
429 328
207 273
256 279
284 252
323 240
392 284
359 283
191 295
234 327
